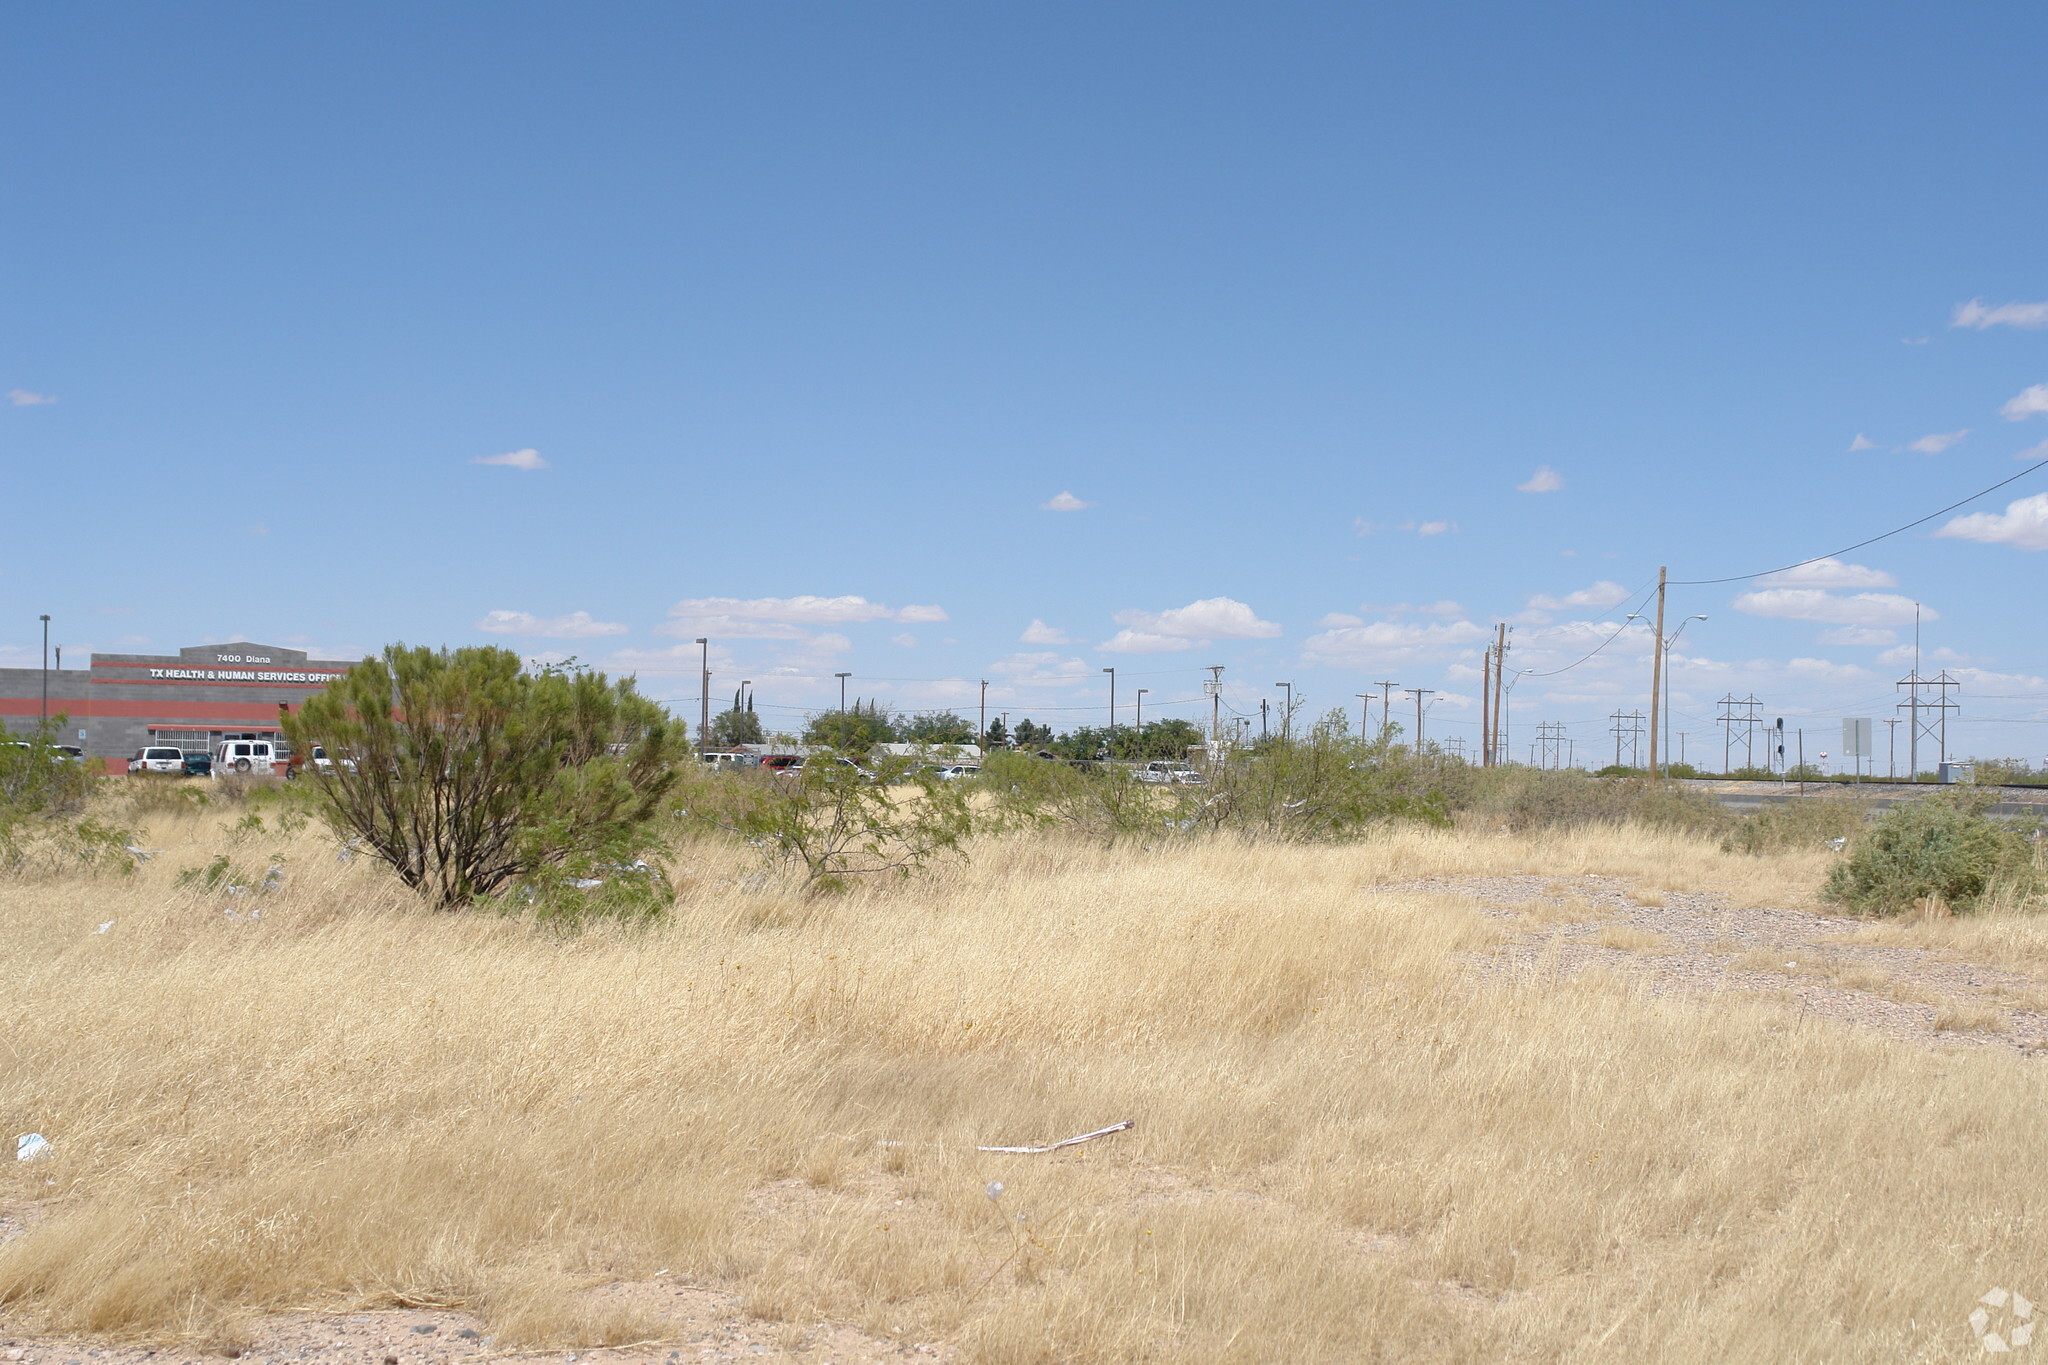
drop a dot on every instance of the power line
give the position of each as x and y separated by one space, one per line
1850 549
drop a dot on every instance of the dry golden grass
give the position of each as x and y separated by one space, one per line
1630 939
1348 1147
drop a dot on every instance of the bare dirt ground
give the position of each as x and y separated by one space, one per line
1694 944
703 1325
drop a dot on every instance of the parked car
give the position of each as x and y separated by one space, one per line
246 758
779 763
158 759
960 770
1166 772
198 764
318 761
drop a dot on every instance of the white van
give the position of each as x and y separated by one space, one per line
246 757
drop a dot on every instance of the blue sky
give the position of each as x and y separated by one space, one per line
1339 334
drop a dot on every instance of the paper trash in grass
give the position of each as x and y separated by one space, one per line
31 1146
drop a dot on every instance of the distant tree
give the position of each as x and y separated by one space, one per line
997 737
736 727
936 727
1159 739
1085 741
1032 736
466 774
854 731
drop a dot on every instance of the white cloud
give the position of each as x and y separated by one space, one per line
1813 604
23 398
1212 618
1857 635
2037 451
1064 502
2029 402
1975 314
575 626
1044 669
1039 633
1902 657
528 458
1386 642
1361 527
1431 528
782 618
1599 597
1544 480
1336 620
906 640
1937 441
1443 607
1144 642
1828 573
1861 442
2022 525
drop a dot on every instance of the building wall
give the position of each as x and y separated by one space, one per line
191 698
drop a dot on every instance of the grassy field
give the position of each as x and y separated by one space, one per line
1350 1142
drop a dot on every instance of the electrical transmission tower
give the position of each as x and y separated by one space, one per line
1739 713
1628 736
1549 746
1927 707
1455 746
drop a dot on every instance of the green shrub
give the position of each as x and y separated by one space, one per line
1944 847
1527 799
1811 822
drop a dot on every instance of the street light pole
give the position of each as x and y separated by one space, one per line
1419 693
842 690
1112 700
46 672
983 736
1667 685
1139 724
1287 717
704 694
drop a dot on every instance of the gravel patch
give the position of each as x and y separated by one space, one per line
1704 946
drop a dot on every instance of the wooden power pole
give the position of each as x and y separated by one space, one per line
1656 673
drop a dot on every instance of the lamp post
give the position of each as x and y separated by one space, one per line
1112 699
983 736
1140 722
1667 683
46 674
1287 716
703 694
842 690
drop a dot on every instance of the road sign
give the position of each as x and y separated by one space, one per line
1856 736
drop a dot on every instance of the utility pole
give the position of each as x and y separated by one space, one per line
1657 674
1419 693
1486 709
1214 687
842 690
1287 717
41 736
1628 736
1139 723
703 694
1262 719
983 736
1891 762
1493 744
1112 701
1364 716
1387 702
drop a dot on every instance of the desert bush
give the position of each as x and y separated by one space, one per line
1942 848
468 775
1527 799
141 797
37 778
1103 802
839 822
1801 823
1325 784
